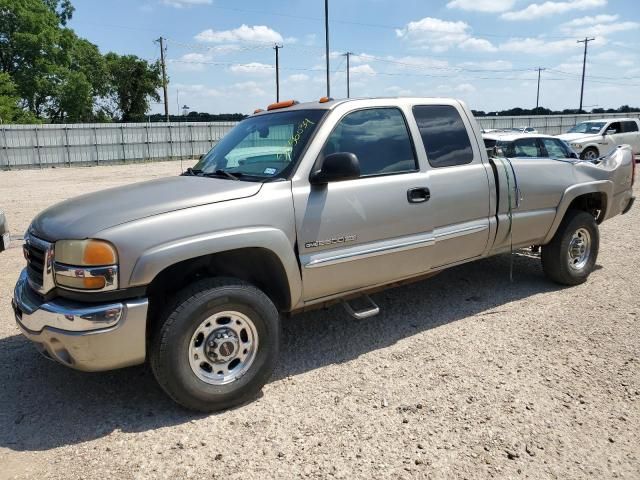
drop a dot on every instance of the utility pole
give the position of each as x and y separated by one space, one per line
584 64
348 54
540 69
164 79
326 38
276 48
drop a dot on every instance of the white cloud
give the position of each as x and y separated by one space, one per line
253 68
244 33
397 91
364 69
197 90
538 46
580 22
538 10
191 62
478 45
465 88
185 3
440 35
598 26
247 88
298 77
482 5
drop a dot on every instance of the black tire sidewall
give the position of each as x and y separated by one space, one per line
583 155
555 258
179 380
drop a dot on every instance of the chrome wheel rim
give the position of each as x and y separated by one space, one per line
590 155
579 249
223 347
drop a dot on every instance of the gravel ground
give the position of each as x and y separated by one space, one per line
465 375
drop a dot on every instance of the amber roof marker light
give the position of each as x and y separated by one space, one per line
325 99
283 104
258 110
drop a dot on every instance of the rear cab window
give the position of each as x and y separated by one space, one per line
444 135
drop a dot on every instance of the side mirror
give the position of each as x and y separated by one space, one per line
611 131
336 167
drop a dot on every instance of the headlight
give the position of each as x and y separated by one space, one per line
86 265
576 145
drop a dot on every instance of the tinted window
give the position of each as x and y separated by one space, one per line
615 126
489 143
555 148
444 136
629 127
527 147
378 137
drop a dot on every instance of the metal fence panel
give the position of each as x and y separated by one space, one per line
24 146
547 124
94 144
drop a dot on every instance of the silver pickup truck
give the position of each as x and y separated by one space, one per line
297 207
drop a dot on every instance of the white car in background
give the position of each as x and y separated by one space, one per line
595 138
527 145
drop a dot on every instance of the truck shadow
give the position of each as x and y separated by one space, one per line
44 405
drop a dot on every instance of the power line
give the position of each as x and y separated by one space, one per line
348 54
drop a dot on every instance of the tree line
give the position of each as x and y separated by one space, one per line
514 112
49 74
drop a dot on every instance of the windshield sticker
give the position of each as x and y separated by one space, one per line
301 128
270 171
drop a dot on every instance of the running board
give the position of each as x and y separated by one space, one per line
368 311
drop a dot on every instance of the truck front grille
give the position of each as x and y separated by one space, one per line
39 255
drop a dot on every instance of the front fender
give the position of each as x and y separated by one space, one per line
152 261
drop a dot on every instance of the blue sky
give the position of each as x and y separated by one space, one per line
220 55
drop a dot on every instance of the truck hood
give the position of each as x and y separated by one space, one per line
83 216
578 137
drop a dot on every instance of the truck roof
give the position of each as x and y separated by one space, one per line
332 103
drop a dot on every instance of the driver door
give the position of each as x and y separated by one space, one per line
370 230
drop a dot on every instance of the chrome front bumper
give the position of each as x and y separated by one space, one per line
89 337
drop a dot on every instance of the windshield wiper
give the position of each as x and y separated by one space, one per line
192 172
223 173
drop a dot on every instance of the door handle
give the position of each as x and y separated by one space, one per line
418 195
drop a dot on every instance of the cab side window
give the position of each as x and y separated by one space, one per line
378 137
628 127
555 148
615 126
527 147
444 135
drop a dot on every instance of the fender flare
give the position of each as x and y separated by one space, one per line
154 260
573 192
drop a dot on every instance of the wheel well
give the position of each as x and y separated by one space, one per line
594 203
258 266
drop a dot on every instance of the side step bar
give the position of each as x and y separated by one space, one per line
370 310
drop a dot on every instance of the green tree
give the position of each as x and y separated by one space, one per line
132 84
62 8
47 61
10 110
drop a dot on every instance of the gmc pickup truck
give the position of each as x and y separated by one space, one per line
298 206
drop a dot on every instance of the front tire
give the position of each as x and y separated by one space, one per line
590 153
217 345
571 255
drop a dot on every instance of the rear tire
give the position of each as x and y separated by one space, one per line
571 255
216 345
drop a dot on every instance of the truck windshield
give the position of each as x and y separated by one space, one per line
262 147
587 127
